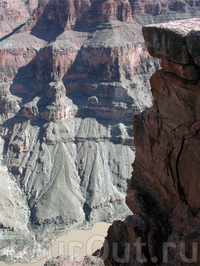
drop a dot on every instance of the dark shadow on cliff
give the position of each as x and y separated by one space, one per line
24 82
82 68
78 89
9 124
11 33
47 30
24 87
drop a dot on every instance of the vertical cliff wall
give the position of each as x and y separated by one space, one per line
164 188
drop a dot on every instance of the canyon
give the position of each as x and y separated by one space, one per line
73 75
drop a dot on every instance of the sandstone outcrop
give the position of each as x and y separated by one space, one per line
163 192
62 81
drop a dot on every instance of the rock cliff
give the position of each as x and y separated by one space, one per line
157 11
74 98
14 217
163 192
76 14
68 96
72 76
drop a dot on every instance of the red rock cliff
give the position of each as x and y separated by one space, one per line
163 192
70 13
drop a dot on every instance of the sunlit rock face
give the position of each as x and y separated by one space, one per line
163 190
75 98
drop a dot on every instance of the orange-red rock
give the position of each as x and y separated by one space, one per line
190 72
164 188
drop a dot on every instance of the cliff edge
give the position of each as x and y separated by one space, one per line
163 192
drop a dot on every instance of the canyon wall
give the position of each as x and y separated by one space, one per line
163 192
67 99
76 14
73 75
157 11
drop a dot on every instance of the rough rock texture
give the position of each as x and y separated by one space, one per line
163 192
13 15
74 260
67 103
68 94
165 42
190 72
157 11
76 14
14 217
9 202
72 76
71 13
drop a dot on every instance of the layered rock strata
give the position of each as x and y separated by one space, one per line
14 217
67 99
13 15
163 192
73 13
76 14
72 76
157 11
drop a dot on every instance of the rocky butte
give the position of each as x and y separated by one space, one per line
72 76
163 192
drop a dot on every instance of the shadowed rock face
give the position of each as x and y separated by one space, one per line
73 12
163 192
